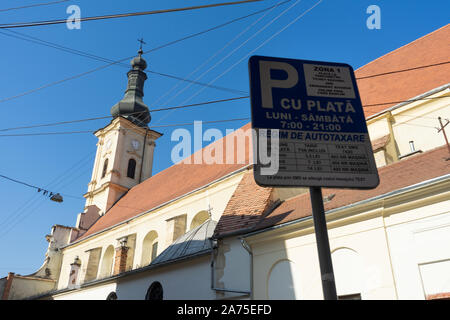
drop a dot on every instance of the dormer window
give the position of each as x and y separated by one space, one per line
105 168
131 168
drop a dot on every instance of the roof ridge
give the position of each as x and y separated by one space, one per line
212 143
190 156
193 234
403 46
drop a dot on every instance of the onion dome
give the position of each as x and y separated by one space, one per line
132 105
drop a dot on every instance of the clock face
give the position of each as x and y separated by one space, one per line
135 144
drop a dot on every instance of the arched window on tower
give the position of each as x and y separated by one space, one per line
131 168
105 168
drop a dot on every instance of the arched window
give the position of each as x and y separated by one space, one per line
107 263
112 296
199 218
348 272
155 292
131 168
284 281
105 168
149 248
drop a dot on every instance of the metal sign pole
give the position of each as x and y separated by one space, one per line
323 245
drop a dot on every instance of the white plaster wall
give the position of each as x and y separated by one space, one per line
236 274
365 238
420 250
187 280
99 292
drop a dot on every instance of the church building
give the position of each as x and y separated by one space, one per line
208 231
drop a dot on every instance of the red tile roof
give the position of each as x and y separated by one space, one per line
401 174
432 48
245 206
182 178
169 184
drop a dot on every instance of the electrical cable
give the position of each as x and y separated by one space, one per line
92 131
403 101
31 186
214 55
34 5
187 106
265 42
122 15
259 31
22 36
404 70
133 113
23 212
127 58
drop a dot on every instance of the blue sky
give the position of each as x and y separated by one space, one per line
332 31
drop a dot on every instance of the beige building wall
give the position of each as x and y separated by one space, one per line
22 286
416 121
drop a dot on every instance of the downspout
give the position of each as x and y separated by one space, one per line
214 247
250 253
388 248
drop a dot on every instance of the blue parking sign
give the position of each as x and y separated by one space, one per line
310 125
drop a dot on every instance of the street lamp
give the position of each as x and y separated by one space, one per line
57 198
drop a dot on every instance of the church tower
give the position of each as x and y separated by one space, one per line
124 150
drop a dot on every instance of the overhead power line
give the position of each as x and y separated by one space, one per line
34 5
127 58
403 70
133 113
92 131
402 101
262 44
29 207
53 196
122 15
266 41
183 107
198 68
21 36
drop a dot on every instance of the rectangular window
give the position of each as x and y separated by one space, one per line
356 296
154 250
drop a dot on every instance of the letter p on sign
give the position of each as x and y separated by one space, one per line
267 83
